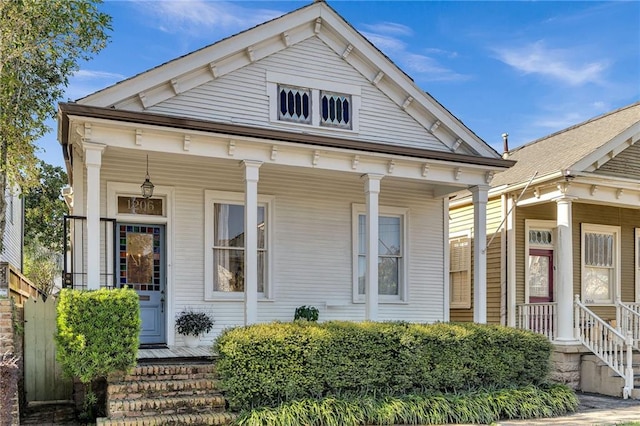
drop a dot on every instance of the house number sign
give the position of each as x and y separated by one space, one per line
137 205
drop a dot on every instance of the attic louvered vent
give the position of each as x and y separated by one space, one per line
294 104
335 110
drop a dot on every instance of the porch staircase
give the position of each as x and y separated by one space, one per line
597 377
166 393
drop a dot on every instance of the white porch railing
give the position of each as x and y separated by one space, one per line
613 348
628 320
540 318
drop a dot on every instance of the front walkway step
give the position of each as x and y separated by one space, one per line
172 405
172 419
148 388
167 372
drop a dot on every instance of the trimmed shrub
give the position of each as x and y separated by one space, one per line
478 407
267 364
98 332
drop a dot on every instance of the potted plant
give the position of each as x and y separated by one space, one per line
192 324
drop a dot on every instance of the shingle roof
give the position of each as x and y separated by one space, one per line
561 150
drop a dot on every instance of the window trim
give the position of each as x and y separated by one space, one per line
464 304
275 79
546 225
615 288
637 262
403 284
210 198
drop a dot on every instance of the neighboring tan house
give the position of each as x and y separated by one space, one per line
343 163
564 225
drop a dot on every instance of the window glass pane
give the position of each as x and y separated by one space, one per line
458 287
261 271
598 250
389 236
459 254
538 276
228 267
362 267
229 225
294 104
261 227
362 234
597 284
139 258
388 275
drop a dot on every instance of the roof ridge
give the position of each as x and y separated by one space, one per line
574 126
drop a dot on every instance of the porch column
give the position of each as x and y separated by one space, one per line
480 197
251 175
372 191
564 289
93 161
511 260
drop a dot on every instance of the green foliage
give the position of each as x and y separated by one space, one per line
97 332
304 312
266 364
41 266
41 45
476 407
193 323
45 209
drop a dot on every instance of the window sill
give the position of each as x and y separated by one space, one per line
382 302
234 298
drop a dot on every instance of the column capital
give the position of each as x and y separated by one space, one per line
251 169
480 193
565 198
93 153
372 182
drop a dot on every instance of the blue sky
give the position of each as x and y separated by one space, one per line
526 68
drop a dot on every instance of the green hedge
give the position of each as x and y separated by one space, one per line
266 364
98 332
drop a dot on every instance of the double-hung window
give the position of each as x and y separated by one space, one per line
391 256
225 246
460 270
600 263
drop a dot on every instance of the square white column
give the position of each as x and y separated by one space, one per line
93 161
372 192
480 197
251 176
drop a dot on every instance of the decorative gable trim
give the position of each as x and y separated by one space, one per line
609 150
317 19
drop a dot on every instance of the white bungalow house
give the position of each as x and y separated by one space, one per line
293 164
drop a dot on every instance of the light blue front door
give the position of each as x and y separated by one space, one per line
141 266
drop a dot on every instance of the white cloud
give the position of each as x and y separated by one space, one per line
389 28
97 75
196 16
536 58
419 65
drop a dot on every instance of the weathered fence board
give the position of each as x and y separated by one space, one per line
43 376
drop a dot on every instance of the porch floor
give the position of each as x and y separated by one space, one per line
174 352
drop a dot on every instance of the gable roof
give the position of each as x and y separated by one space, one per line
583 147
316 19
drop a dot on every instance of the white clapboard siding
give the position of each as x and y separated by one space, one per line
241 97
312 255
12 243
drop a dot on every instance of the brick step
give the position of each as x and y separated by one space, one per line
153 388
171 405
171 419
167 372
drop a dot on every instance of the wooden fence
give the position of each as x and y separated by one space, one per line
43 378
19 287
